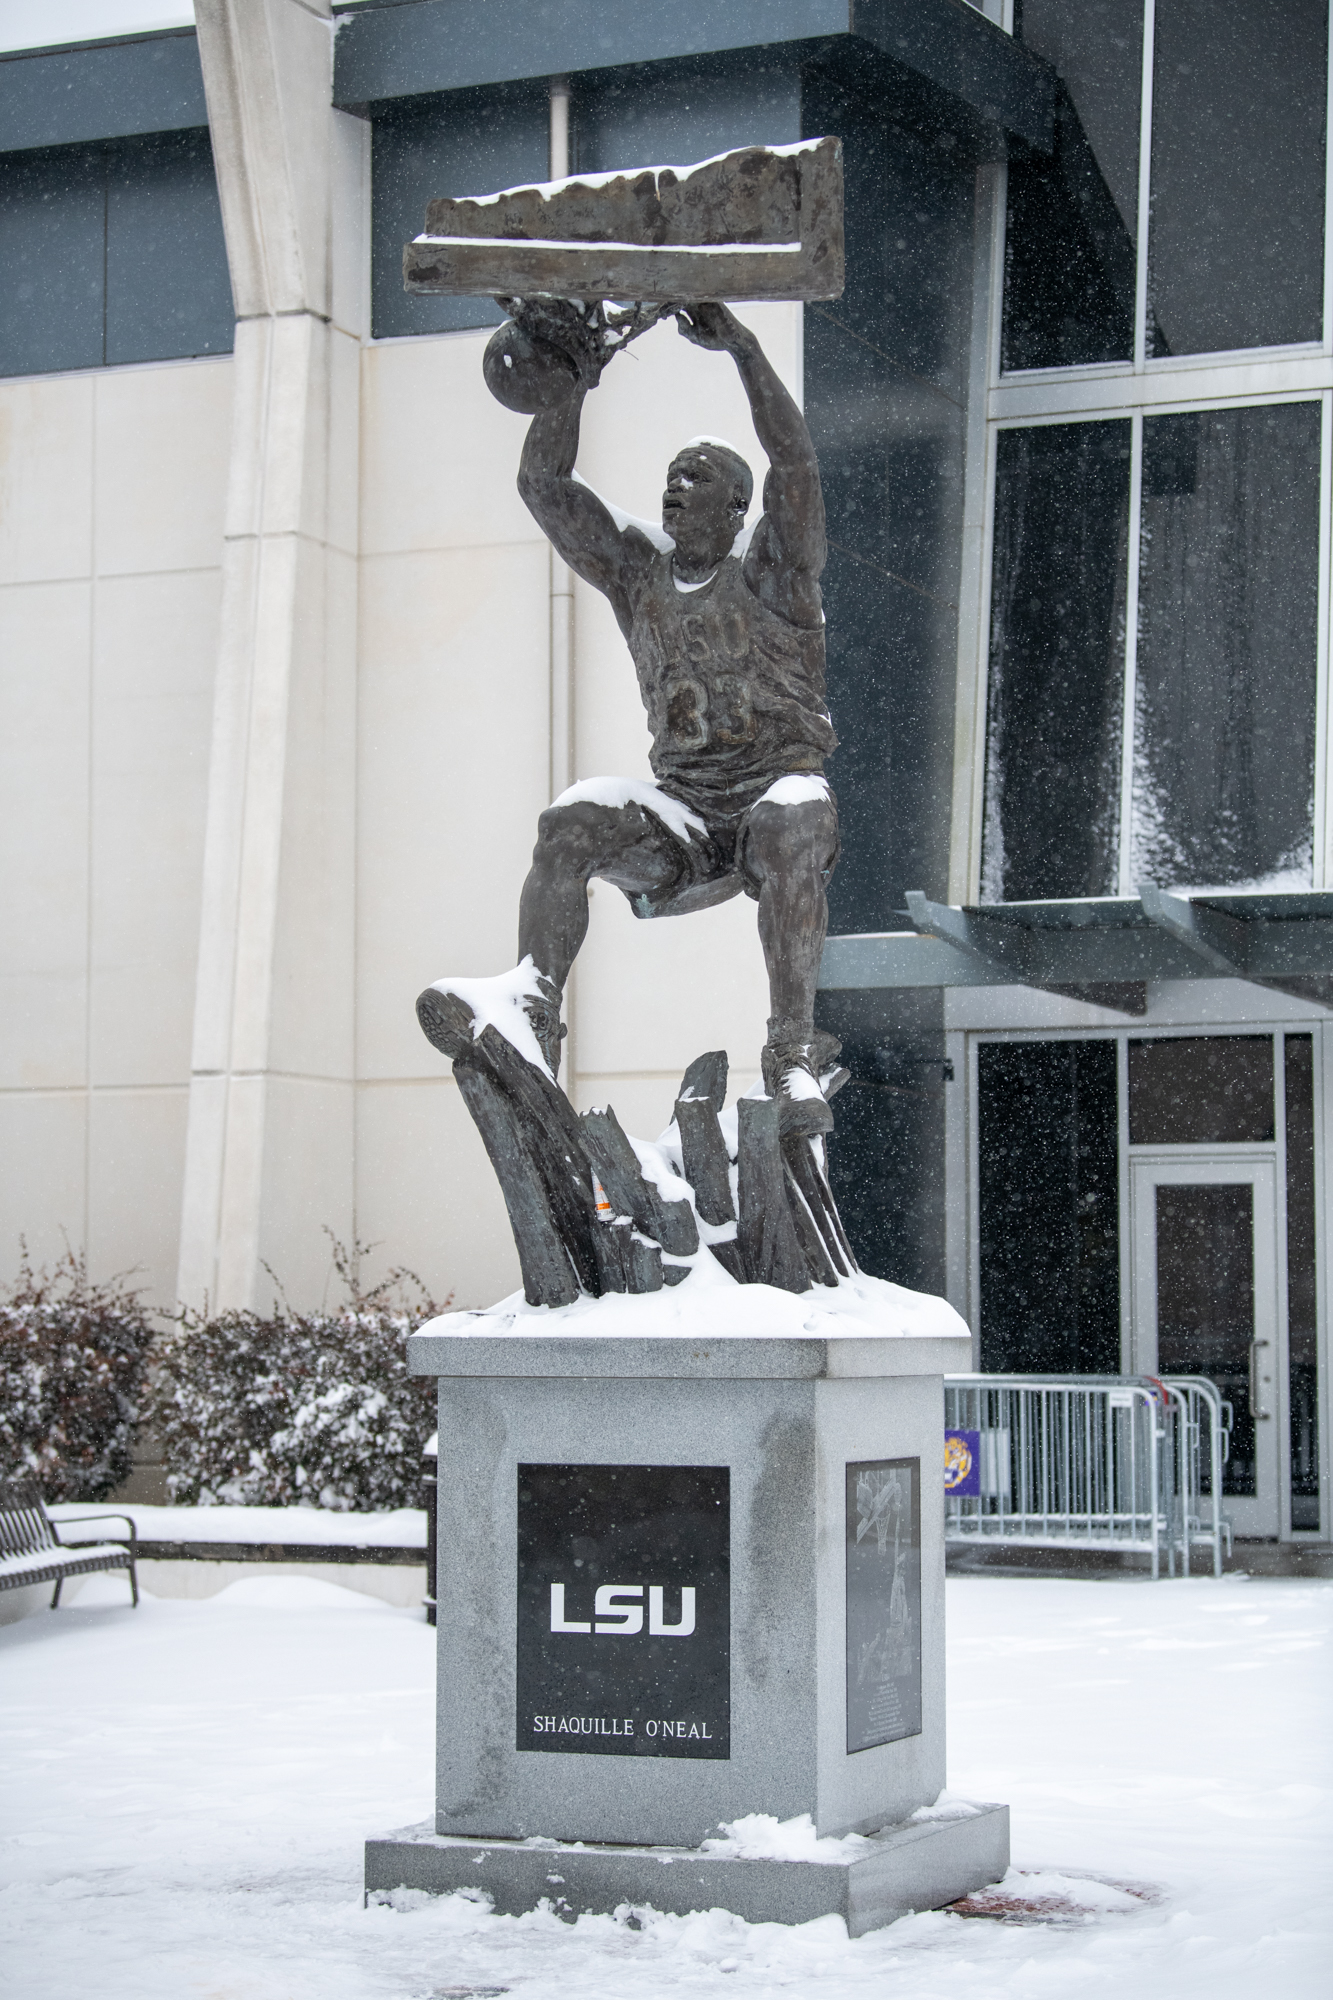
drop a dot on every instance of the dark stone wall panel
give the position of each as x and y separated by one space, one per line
885 376
886 1157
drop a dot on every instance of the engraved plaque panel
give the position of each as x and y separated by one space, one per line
624 1610
883 1602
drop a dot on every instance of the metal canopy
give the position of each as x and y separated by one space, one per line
408 47
1103 949
101 90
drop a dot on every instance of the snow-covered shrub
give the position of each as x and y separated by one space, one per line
72 1357
312 1409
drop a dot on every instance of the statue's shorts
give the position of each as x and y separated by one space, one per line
670 855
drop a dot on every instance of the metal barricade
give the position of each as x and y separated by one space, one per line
1200 1442
1092 1462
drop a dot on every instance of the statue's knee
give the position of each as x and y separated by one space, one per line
575 835
790 840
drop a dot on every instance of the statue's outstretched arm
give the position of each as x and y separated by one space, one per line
568 512
791 537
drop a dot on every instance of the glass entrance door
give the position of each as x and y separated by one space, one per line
1204 1301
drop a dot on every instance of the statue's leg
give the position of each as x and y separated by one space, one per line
788 855
624 844
789 852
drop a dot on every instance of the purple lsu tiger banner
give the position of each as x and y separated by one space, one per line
962 1464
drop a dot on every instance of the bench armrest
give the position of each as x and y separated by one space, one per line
72 1520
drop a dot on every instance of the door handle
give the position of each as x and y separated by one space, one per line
1260 1416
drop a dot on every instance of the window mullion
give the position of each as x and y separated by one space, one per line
1125 885
1145 188
1328 196
1321 873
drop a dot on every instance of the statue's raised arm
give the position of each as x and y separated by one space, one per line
788 549
579 526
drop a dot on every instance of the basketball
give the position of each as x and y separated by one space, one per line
525 373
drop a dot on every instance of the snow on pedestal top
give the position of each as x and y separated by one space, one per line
710 1326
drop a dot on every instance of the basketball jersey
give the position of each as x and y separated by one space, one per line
734 693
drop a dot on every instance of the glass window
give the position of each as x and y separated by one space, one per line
1070 243
1223 784
1219 778
1236 239
465 142
112 253
1302 1308
1205 1303
1049 1191
1057 662
1201 1090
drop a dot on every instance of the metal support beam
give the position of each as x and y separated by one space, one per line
1226 943
1214 937
1011 951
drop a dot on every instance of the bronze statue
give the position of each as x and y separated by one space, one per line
729 651
727 635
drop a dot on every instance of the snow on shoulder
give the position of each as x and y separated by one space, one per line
799 788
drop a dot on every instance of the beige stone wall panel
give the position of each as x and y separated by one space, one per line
427 1193
161 439
698 981
440 455
44 1188
46 478
154 650
307 1151
45 644
313 973
453 773
136 1154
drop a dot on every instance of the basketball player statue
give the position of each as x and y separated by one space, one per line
729 650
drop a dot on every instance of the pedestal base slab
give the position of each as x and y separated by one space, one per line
919 1865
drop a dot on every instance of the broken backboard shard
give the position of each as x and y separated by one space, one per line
761 223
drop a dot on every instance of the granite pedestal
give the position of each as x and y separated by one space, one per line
684 1579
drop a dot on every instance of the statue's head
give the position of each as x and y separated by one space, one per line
708 491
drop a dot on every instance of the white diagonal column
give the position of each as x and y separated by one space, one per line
269 1151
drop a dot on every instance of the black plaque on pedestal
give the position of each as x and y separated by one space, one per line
883 1602
624 1610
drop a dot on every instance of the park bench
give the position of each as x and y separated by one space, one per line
31 1550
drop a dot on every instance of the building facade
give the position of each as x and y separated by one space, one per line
289 671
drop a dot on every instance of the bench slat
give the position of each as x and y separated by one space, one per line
23 1523
45 1565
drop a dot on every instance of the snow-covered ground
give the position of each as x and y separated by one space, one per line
184 1791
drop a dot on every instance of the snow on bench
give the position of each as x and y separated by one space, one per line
275 1534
